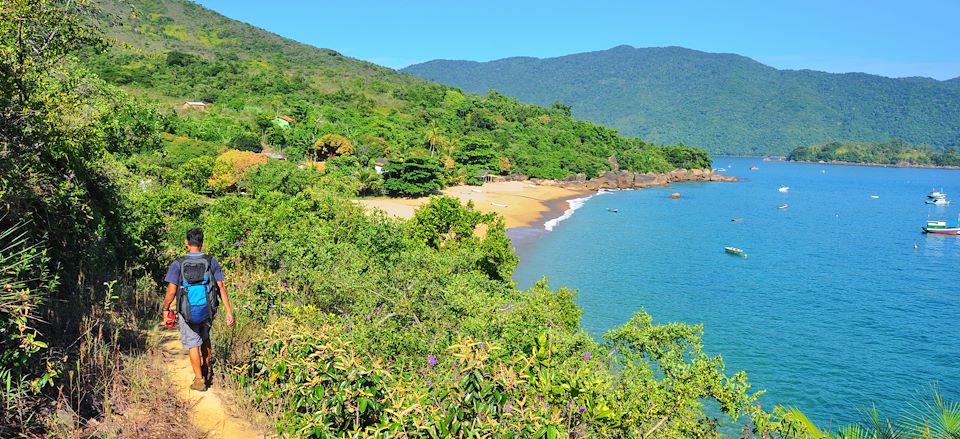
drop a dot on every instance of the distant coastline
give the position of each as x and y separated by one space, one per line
879 165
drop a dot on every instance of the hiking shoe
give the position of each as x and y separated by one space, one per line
199 385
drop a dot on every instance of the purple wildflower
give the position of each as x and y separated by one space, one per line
429 383
71 176
587 356
507 408
479 415
432 360
581 410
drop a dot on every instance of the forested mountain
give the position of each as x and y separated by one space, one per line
723 102
174 51
894 152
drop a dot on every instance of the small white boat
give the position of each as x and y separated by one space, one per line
720 170
874 196
783 206
735 251
939 202
784 189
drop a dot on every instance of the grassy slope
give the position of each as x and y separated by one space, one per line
155 27
723 102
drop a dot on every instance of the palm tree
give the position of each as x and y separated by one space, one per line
434 137
928 419
936 419
368 181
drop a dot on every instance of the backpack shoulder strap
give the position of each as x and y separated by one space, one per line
180 266
209 259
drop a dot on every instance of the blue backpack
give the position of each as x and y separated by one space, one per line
197 293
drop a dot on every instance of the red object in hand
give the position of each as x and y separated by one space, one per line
170 320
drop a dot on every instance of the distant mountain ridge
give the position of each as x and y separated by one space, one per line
726 103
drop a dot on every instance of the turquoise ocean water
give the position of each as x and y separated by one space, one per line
832 312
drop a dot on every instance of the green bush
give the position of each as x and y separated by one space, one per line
280 176
413 177
246 142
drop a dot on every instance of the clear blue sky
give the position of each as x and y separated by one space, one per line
890 38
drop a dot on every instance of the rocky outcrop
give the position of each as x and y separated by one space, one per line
631 180
624 179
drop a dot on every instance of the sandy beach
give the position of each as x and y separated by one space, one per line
521 203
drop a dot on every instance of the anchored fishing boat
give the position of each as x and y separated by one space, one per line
784 189
942 227
939 202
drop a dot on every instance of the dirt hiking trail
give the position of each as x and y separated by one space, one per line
209 413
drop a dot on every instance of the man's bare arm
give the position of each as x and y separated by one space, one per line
168 299
225 299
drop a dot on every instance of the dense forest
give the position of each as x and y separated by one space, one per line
726 103
893 152
349 323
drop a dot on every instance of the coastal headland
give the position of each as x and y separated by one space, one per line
878 165
527 202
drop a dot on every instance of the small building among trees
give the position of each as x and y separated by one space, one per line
483 175
283 121
194 105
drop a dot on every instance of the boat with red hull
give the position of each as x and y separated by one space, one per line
942 228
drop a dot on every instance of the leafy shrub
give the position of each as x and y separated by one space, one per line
195 174
231 167
280 176
413 177
331 145
246 142
26 282
180 150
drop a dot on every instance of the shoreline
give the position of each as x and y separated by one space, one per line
876 165
532 207
522 204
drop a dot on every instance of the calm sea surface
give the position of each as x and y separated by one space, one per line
832 312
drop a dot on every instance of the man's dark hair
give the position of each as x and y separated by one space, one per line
195 237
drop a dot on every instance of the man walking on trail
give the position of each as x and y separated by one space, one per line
196 282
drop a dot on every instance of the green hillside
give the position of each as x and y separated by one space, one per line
348 323
893 152
725 103
175 51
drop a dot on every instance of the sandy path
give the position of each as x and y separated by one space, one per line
521 203
208 412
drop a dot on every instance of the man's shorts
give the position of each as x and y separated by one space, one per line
192 336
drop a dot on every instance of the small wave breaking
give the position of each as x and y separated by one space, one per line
575 204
